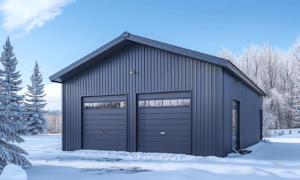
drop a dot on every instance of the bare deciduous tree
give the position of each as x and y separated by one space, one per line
55 123
278 74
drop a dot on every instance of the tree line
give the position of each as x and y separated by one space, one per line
276 72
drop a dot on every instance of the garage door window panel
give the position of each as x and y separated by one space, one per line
174 102
158 103
164 103
167 102
104 105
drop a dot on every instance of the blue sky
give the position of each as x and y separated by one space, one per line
58 32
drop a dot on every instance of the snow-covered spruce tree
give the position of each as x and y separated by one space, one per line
36 123
10 85
10 111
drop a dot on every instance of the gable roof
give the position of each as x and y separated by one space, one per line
127 38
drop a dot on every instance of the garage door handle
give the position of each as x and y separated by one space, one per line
162 133
104 132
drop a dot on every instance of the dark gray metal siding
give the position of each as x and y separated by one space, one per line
126 39
250 103
156 71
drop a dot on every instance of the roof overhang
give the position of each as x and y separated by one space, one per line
243 78
126 38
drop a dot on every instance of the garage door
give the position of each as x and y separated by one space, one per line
164 123
104 123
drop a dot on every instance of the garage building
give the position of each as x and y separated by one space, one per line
140 95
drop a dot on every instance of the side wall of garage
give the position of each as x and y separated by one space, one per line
154 71
250 104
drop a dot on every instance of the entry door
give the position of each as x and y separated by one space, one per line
164 123
235 125
104 123
260 124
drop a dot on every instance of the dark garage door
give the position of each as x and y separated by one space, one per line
164 123
104 123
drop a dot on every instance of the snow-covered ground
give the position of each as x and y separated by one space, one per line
276 159
285 131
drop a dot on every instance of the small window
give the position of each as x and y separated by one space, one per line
166 102
101 105
86 105
185 102
158 103
91 105
142 104
180 102
234 120
104 105
174 102
146 103
114 105
96 105
151 103
122 104
108 105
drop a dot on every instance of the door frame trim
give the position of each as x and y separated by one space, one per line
157 92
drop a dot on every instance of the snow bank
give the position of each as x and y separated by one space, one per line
285 132
13 172
233 155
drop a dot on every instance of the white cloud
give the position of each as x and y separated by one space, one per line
53 96
26 15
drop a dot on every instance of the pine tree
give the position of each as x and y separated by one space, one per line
35 104
10 111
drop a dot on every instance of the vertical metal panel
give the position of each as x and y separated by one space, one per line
193 103
209 105
81 87
183 82
133 100
139 67
152 76
250 104
213 108
196 109
69 111
169 74
64 130
155 71
204 109
219 103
